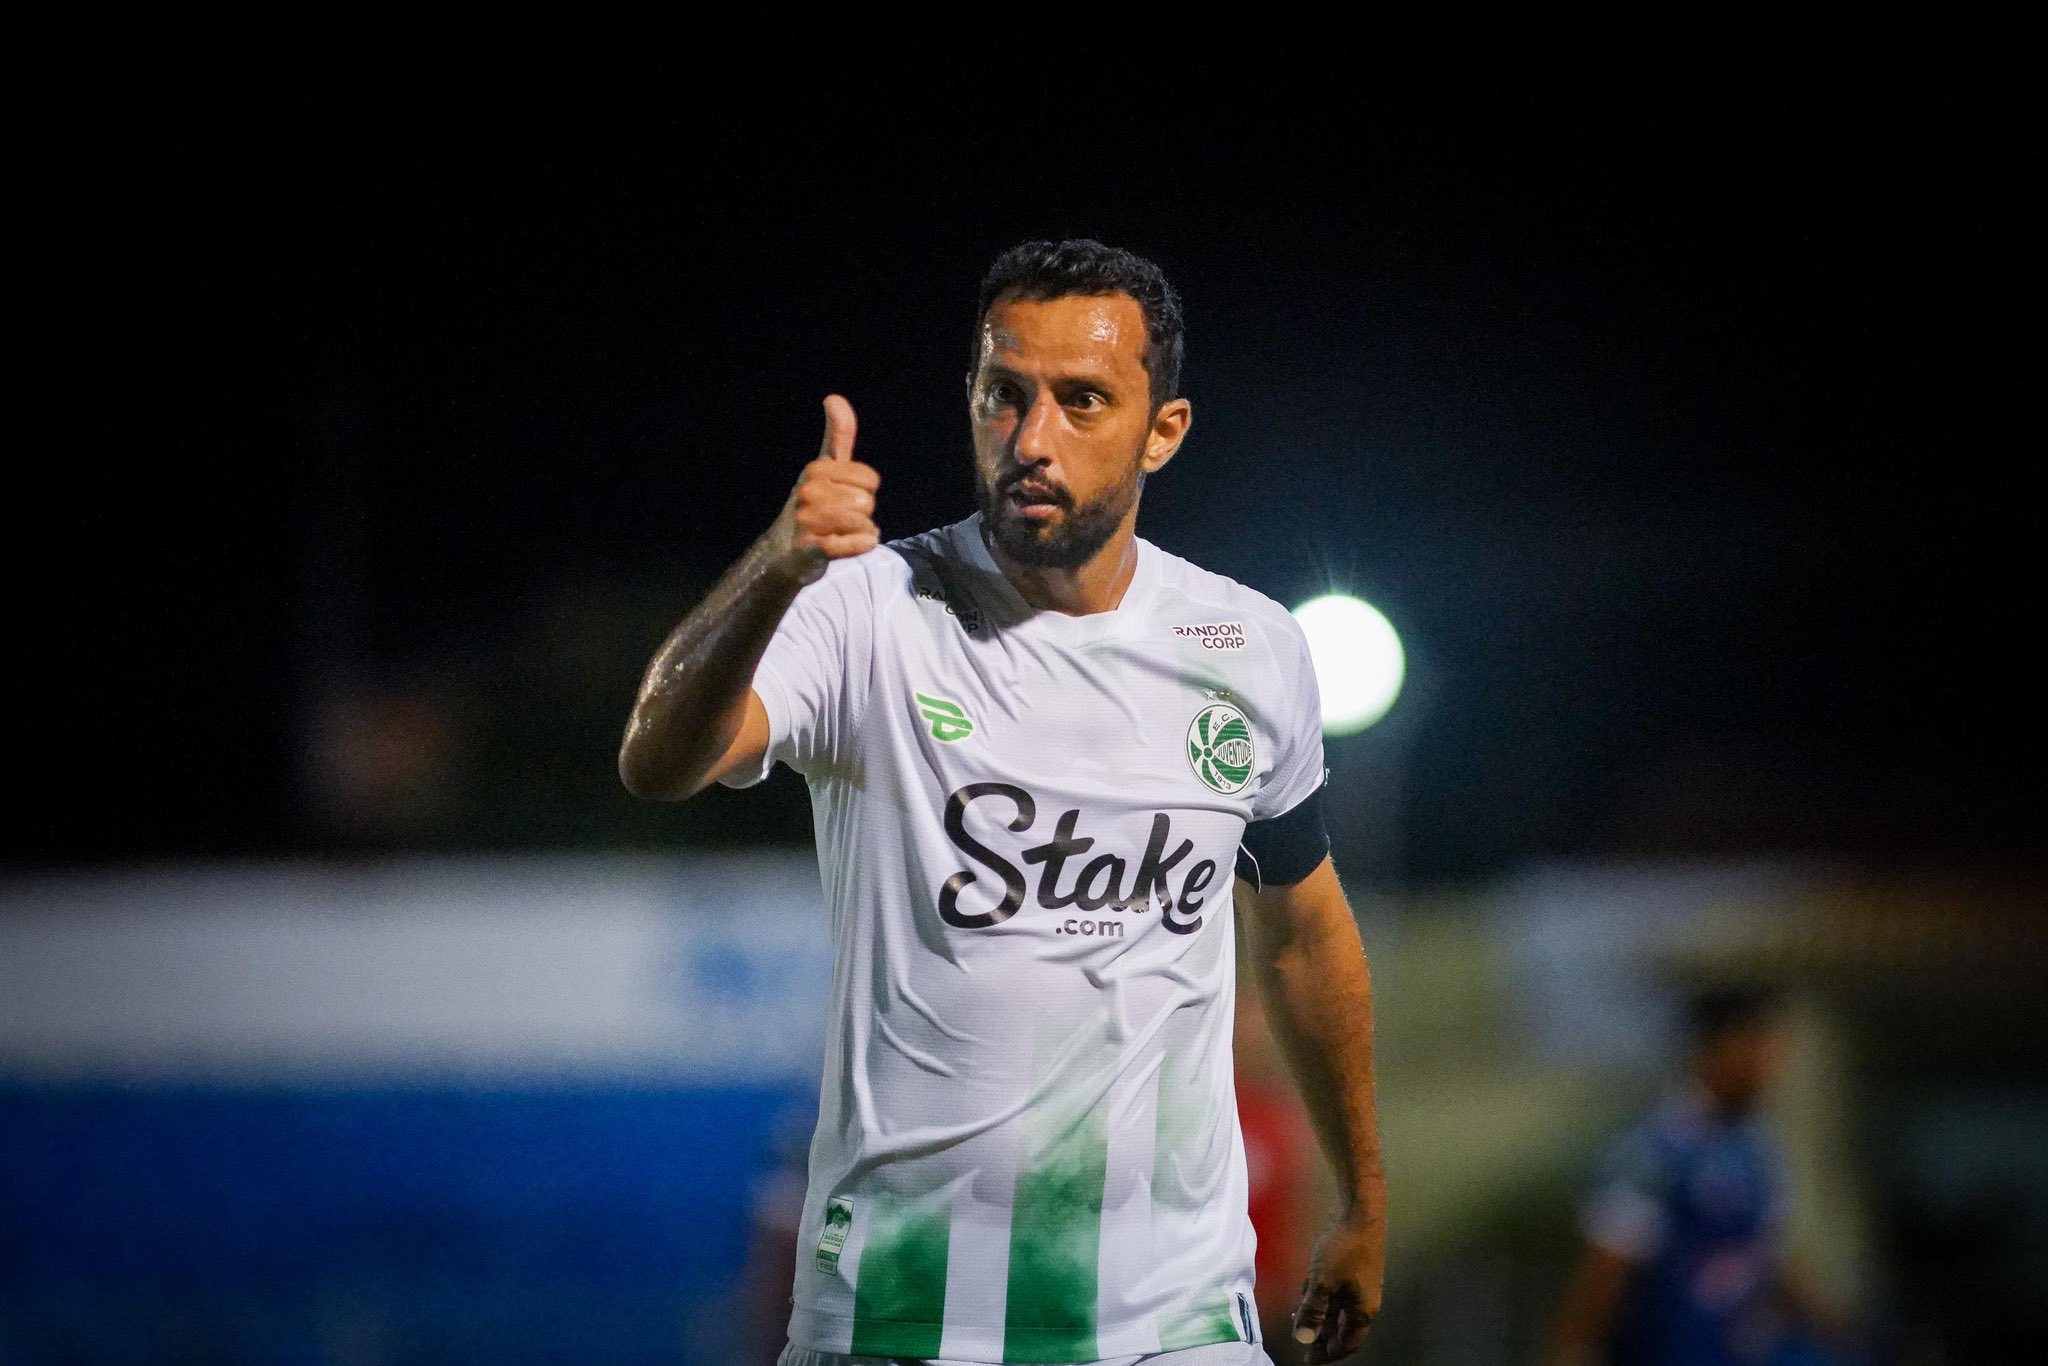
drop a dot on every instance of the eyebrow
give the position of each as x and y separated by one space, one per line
1101 379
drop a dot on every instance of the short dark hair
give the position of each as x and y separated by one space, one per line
1083 267
1716 1012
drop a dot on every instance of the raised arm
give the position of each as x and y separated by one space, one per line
697 717
1311 970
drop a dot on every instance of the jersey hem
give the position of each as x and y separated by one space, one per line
817 1330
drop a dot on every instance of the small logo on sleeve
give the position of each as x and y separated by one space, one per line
838 1223
1220 748
948 719
1213 635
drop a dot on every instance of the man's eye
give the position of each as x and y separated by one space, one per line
1087 400
1001 396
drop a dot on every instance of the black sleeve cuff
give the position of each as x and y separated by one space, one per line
1282 851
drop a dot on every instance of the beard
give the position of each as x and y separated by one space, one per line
1065 542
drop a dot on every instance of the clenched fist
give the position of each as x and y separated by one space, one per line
830 514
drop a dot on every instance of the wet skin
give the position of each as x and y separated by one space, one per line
1064 429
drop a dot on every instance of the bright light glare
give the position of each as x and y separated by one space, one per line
1358 660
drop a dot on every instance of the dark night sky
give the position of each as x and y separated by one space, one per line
1665 419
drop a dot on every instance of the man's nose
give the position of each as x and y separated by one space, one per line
1036 432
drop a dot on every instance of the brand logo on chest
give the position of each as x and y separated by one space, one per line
1104 881
1212 635
948 719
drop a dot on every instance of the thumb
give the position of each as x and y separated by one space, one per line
1308 1319
839 429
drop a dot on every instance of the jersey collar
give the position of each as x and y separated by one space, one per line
1128 614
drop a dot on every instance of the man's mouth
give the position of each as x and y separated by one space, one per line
1034 500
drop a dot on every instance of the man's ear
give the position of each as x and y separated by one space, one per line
1169 428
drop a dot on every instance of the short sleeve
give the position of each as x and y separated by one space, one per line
1625 1212
1295 723
812 681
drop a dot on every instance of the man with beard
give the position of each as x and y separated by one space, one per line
1037 748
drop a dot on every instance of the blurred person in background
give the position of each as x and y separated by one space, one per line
774 1228
1037 748
1683 1263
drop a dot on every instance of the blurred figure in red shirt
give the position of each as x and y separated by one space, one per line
1279 1151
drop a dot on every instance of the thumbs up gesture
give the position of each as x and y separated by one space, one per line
830 514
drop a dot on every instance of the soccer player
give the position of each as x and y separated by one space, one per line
1038 748
1682 1264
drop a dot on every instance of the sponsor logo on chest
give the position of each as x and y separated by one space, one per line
1213 635
1124 882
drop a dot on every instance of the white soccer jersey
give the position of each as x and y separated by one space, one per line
1027 1145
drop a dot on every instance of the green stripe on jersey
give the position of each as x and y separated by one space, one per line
899 1300
1056 1214
1189 1111
1199 1327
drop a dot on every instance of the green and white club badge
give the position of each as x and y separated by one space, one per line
1220 748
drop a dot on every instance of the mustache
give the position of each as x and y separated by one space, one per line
1029 483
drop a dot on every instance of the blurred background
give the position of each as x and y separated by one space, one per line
376 432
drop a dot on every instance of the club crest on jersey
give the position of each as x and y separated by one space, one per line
948 720
1220 748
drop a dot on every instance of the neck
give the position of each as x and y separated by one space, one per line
1096 585
1723 1104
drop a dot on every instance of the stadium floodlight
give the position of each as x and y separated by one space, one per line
1358 660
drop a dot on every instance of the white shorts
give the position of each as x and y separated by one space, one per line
1215 1354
